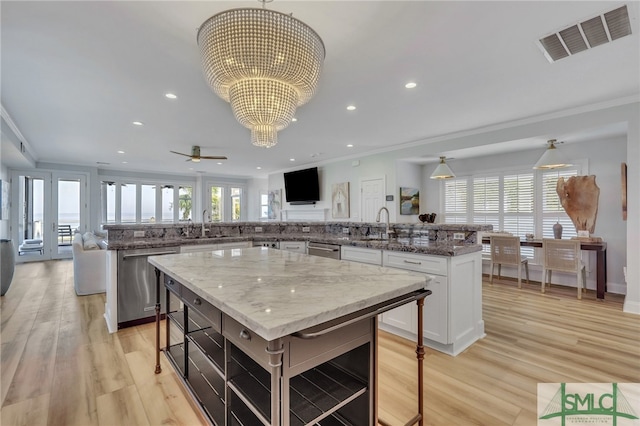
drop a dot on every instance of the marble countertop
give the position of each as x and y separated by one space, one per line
414 245
276 293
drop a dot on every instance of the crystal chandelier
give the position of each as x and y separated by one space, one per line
264 63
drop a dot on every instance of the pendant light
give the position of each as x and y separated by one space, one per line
552 158
442 171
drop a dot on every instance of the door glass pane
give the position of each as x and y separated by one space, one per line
217 194
264 206
68 212
31 237
128 206
185 196
236 207
167 203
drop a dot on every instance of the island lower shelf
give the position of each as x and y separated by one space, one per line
238 378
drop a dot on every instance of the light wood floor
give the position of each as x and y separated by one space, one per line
60 366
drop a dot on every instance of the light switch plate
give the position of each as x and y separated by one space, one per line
458 235
138 234
258 229
306 229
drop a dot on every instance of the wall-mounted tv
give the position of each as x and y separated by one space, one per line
302 186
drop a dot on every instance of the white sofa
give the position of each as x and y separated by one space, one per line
89 264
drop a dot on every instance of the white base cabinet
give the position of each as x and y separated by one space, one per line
294 246
193 248
452 318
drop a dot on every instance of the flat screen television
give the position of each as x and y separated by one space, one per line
302 186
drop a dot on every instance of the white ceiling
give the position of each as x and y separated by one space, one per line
76 74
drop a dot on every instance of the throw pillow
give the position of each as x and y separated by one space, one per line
89 241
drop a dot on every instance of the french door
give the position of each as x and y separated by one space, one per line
47 209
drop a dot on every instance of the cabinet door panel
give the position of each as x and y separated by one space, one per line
435 314
403 317
362 255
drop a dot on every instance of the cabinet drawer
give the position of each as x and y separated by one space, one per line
415 262
302 350
362 255
204 308
194 248
245 339
173 285
295 246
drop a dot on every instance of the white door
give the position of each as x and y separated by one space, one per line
47 208
372 197
69 208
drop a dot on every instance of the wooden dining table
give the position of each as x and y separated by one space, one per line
601 259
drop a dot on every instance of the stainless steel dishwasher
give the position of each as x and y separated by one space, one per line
324 250
137 285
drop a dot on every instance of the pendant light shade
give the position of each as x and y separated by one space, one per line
264 63
442 171
552 158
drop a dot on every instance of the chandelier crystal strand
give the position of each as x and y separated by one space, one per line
264 63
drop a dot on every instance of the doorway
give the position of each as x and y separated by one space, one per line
372 197
49 208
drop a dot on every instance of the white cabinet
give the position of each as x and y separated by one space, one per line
294 246
362 255
435 313
452 315
239 244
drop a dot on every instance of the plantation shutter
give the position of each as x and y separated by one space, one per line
552 210
455 201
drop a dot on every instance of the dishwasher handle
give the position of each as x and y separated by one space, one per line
323 249
127 256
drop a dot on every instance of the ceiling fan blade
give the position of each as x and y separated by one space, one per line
179 153
213 157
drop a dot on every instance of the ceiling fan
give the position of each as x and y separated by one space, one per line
196 157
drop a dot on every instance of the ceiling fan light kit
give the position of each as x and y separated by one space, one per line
264 63
195 156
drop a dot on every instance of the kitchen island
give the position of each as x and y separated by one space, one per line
279 338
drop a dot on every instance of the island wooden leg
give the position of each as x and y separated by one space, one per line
420 356
158 367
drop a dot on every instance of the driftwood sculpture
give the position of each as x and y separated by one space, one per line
579 197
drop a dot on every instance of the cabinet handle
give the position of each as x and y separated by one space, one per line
412 262
244 334
197 301
170 282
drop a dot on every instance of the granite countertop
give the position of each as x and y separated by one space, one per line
414 245
276 293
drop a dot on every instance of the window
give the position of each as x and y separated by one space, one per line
217 204
264 205
455 196
166 195
145 202
552 210
225 202
508 200
185 202
236 194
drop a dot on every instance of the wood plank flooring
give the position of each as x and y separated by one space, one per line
60 366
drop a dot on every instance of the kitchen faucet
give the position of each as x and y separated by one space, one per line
388 230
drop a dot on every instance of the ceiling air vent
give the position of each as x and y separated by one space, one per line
593 32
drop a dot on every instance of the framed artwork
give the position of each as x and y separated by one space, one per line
409 200
340 200
4 200
275 204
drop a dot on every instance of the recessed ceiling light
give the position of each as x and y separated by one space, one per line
120 152
219 163
294 119
259 168
292 159
170 96
410 85
138 123
124 162
350 145
351 107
